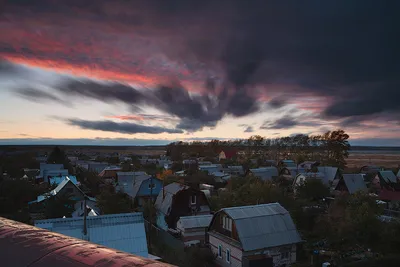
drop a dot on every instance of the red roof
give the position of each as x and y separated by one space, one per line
26 245
389 195
229 153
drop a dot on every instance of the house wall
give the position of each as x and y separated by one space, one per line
236 253
145 191
193 234
276 254
72 190
181 206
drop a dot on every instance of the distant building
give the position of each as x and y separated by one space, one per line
259 235
124 232
193 229
351 183
302 177
227 154
265 173
177 200
235 170
109 174
47 170
146 188
385 179
210 168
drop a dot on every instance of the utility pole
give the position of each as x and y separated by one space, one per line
150 207
84 217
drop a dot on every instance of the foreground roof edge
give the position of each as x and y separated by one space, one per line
24 245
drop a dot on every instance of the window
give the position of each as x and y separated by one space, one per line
228 255
193 199
227 223
219 251
152 186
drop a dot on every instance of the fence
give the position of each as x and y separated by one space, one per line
161 236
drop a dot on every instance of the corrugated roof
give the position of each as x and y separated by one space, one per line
138 184
58 179
24 245
263 226
164 200
265 173
354 182
388 176
329 172
200 221
123 232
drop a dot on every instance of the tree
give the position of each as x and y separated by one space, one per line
111 202
58 156
312 190
337 145
150 212
59 206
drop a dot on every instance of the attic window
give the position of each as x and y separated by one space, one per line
193 199
227 223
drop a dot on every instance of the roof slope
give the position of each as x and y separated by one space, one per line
354 182
388 176
24 245
263 226
328 171
265 173
164 200
124 232
200 221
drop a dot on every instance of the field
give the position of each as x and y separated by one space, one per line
385 158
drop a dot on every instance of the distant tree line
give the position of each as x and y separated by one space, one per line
330 148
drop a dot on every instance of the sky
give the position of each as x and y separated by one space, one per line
152 71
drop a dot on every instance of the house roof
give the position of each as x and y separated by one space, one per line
24 245
388 176
123 232
57 190
58 179
109 172
200 221
263 226
389 195
138 184
328 171
354 182
47 167
265 173
164 200
229 153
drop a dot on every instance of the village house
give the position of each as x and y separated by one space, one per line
74 192
351 183
109 174
235 170
126 181
146 188
385 179
265 173
177 200
209 169
227 154
48 170
302 177
330 173
259 235
56 180
193 229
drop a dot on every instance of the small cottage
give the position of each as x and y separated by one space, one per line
259 235
351 183
193 229
177 200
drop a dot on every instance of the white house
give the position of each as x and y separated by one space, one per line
259 235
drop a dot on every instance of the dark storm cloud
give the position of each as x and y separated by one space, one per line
194 111
281 123
124 127
344 50
37 95
249 129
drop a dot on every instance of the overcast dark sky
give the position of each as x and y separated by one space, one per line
166 70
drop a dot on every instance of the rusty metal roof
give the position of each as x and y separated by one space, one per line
23 245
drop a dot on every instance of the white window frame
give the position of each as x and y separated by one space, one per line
195 199
227 223
228 252
220 251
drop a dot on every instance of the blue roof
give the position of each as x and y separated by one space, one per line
58 179
123 232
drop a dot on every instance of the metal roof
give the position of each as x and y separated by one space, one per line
23 245
354 182
263 226
388 176
131 173
138 184
47 167
200 221
329 172
164 200
58 179
265 173
124 232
